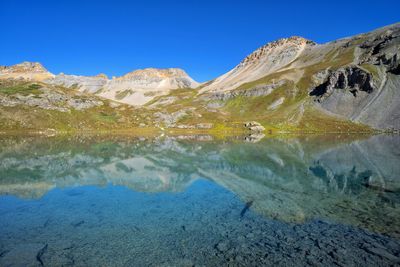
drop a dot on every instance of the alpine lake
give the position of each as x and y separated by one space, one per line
200 200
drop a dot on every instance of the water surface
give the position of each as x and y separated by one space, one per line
196 201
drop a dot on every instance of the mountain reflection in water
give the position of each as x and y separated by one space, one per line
295 181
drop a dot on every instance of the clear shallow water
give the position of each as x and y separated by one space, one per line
121 201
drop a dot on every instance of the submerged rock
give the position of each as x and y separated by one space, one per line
222 246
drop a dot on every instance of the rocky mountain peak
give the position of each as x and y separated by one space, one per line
263 61
101 76
24 67
31 71
155 73
140 86
284 44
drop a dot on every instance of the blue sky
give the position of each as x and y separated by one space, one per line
206 38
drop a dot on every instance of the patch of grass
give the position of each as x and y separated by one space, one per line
253 107
105 117
315 120
183 96
22 89
152 93
122 94
74 86
371 69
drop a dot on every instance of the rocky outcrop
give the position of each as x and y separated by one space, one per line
170 119
254 126
352 79
382 49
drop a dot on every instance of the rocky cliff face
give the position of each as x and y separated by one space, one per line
353 79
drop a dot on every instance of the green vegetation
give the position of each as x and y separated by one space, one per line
371 69
106 117
34 118
122 94
22 89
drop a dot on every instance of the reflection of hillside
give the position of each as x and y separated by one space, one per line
353 183
62 163
293 179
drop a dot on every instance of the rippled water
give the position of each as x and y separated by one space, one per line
196 201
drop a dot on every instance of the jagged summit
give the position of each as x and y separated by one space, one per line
283 43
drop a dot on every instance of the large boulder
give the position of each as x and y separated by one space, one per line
254 126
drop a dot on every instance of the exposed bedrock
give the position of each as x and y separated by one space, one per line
352 79
383 49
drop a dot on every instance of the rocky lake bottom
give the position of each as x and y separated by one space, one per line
199 201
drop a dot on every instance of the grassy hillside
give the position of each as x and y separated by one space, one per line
37 106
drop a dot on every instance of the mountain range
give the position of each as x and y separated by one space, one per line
292 84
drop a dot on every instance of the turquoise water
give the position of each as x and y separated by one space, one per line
196 201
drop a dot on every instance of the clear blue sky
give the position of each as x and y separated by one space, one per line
206 38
